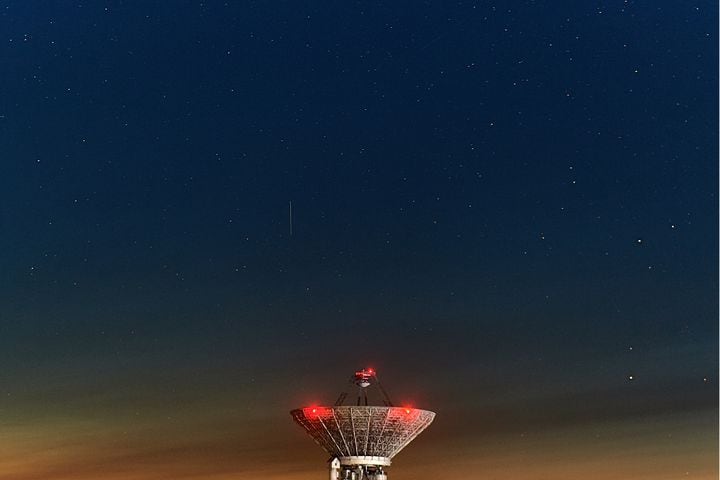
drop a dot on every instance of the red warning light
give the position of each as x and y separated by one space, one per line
316 412
407 410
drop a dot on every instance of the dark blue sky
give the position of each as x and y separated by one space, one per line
524 193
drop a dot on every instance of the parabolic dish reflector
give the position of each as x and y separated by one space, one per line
372 431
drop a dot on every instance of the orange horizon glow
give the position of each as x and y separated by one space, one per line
220 449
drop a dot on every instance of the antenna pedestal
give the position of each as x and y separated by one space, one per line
359 467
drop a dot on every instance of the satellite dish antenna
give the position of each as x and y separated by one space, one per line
362 439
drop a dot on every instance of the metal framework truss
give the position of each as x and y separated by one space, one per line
345 431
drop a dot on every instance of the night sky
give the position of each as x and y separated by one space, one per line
509 209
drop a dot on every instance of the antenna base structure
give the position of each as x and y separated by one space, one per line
358 468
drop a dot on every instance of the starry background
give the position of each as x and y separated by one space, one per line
508 208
